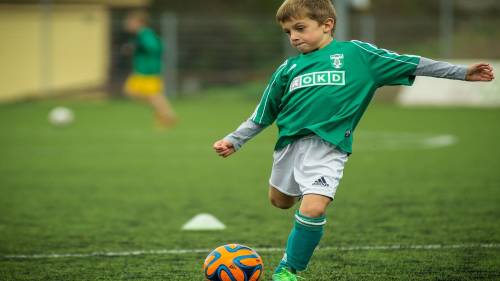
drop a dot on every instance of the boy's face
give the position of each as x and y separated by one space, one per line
133 24
307 35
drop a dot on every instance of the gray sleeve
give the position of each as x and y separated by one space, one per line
440 69
244 133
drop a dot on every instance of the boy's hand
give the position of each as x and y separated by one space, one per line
480 72
127 49
224 148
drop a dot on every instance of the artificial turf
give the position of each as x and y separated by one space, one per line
112 182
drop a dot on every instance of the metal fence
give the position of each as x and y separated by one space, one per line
208 51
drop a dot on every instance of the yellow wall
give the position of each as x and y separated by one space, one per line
19 51
40 56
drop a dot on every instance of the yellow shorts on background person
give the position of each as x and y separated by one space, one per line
143 85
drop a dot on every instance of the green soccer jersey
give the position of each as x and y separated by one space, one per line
326 92
148 53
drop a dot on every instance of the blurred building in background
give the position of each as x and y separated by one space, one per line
50 47
57 46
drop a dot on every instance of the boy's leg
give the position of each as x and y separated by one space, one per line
306 232
281 200
163 109
318 169
283 189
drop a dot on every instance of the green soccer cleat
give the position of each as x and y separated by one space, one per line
285 275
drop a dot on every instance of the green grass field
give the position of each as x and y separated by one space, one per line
112 183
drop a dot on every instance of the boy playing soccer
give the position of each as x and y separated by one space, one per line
145 82
317 99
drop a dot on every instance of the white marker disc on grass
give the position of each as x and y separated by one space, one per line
204 222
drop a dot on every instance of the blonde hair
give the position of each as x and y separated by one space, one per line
318 10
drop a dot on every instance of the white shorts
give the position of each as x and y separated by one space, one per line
309 165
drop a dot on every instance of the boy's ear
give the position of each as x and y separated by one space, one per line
329 25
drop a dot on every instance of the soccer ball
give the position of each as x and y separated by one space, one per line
233 262
61 116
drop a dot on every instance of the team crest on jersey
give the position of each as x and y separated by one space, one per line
337 60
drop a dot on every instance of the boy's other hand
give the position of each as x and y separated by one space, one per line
480 72
223 148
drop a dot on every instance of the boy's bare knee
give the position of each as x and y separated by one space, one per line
314 206
313 211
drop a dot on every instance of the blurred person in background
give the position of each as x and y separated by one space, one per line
145 81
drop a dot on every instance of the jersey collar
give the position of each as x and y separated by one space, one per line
320 51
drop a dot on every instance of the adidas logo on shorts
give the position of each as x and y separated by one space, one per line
321 182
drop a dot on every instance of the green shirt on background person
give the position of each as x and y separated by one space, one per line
148 53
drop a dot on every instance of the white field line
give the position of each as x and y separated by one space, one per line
395 247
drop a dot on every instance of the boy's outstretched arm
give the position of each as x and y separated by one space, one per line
263 116
439 69
234 141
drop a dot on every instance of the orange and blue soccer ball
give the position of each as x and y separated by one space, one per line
233 262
